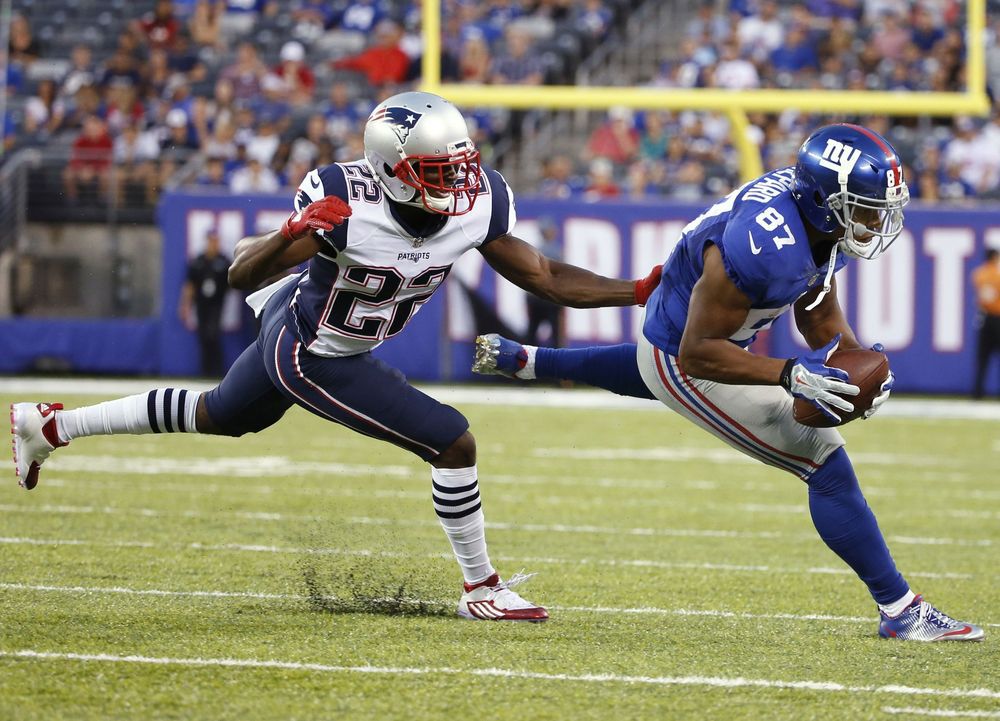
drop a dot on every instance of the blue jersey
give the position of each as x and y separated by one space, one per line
765 251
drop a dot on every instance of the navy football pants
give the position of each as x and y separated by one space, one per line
360 392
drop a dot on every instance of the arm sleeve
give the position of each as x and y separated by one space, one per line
502 213
328 180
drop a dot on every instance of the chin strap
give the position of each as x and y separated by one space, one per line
828 280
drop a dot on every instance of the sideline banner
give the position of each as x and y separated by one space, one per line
916 300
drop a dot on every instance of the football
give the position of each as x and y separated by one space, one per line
867 369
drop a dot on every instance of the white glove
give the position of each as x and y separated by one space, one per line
884 391
810 378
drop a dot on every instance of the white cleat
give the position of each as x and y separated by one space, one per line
35 437
493 600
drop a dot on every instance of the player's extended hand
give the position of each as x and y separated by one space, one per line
322 214
884 390
809 377
644 287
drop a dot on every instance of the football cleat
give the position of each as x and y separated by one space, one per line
496 355
493 600
920 621
35 437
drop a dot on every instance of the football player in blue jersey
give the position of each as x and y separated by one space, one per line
749 258
380 235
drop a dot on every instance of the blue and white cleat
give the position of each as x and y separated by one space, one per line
496 355
920 621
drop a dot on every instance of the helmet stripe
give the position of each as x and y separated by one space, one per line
877 139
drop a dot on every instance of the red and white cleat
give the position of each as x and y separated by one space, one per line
34 429
493 600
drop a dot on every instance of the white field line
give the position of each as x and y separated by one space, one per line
658 532
940 712
928 409
638 610
611 562
604 678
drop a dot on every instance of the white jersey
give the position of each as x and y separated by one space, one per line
374 273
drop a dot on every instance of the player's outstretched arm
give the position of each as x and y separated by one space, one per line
819 325
259 257
562 283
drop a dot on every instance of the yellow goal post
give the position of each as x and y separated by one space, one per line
735 104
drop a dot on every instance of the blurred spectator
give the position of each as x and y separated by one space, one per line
967 151
86 102
90 162
264 143
202 299
795 56
213 173
82 71
221 141
734 72
557 177
120 68
952 187
123 107
384 63
601 183
474 62
44 111
891 36
205 25
707 23
300 83
760 34
246 73
272 107
312 18
986 281
159 27
343 114
23 46
926 31
9 131
616 139
653 139
362 16
514 63
135 152
254 177
305 149
593 19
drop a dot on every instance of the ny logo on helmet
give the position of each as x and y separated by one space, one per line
401 120
839 157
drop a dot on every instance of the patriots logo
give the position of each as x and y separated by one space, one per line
401 120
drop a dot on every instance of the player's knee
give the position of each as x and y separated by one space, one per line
205 424
460 454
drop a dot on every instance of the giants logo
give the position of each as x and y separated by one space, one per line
839 157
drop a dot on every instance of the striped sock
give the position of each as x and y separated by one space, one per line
164 410
459 509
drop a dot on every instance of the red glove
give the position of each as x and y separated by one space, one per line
644 287
322 214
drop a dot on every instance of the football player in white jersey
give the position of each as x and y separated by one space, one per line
380 235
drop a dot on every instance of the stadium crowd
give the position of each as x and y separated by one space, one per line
251 94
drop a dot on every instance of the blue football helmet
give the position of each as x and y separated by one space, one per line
851 177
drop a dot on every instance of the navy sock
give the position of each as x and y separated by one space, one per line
612 367
847 525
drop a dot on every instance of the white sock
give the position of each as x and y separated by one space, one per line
457 504
164 410
894 609
528 372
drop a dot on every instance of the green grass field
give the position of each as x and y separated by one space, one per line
301 574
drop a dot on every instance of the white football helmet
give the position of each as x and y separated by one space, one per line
419 148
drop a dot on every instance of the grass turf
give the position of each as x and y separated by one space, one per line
678 576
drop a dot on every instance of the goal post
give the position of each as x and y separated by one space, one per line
734 103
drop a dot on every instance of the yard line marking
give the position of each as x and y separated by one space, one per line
612 562
948 713
240 466
710 681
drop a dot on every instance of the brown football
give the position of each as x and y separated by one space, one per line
867 369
